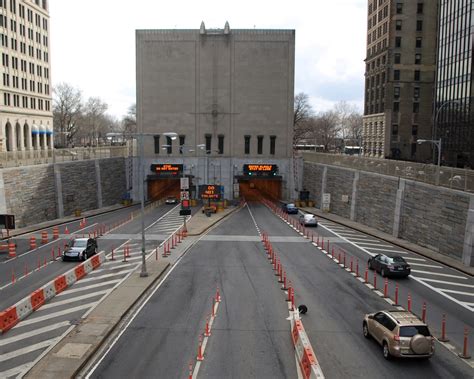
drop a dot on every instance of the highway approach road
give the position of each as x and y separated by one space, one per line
250 335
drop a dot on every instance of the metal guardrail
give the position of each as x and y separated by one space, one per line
450 177
36 157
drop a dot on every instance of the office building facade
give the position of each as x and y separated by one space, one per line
454 105
26 120
399 78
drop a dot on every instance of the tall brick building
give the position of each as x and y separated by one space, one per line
228 95
26 119
399 78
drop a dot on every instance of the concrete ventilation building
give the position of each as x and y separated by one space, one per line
26 121
399 78
228 95
454 111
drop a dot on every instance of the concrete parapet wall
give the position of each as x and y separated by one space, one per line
34 195
430 216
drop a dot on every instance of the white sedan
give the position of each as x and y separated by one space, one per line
308 220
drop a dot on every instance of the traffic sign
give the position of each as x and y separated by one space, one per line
184 183
184 195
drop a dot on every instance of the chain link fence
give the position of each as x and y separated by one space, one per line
455 178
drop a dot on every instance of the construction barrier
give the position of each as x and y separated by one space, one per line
55 232
32 242
11 250
14 314
44 237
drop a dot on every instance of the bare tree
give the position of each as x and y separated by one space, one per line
301 118
354 124
326 129
129 122
94 121
67 106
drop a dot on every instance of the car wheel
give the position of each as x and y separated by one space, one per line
384 273
386 351
370 265
365 330
83 256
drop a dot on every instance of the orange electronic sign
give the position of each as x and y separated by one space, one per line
167 169
260 169
209 191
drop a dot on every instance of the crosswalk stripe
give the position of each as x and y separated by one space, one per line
33 333
17 371
387 250
439 274
79 289
97 277
424 265
54 315
415 259
449 284
370 243
26 350
457 292
73 300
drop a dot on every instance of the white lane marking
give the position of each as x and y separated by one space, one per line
374 244
79 289
53 315
448 283
424 265
438 274
348 241
437 290
17 371
73 300
25 350
33 333
458 292
415 259
388 250
103 276
363 239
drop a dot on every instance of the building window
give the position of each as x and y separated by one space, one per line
169 145
220 144
156 141
398 41
394 129
416 107
182 140
396 107
418 42
397 58
208 138
259 144
414 130
417 58
399 8
416 92
417 75
272 145
396 74
419 25
247 144
396 92
398 25
419 8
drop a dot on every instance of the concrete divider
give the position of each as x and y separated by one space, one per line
14 314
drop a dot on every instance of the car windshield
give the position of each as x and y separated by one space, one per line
397 259
410 331
78 243
291 205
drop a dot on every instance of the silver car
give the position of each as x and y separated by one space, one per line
308 220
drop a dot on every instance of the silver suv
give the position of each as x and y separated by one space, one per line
400 333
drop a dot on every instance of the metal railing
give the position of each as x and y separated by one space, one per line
36 157
455 178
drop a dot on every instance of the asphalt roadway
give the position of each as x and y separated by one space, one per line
251 336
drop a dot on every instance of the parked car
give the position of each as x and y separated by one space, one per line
171 200
389 266
290 208
308 220
400 333
80 249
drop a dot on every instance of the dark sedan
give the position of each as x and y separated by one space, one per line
290 208
80 249
389 266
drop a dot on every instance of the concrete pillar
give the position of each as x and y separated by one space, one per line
468 250
354 195
323 185
13 137
3 198
29 142
99 183
398 207
59 191
22 144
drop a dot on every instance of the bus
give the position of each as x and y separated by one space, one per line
352 150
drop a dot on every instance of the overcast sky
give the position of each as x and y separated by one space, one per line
93 42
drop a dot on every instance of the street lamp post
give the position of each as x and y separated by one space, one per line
141 180
435 122
437 143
